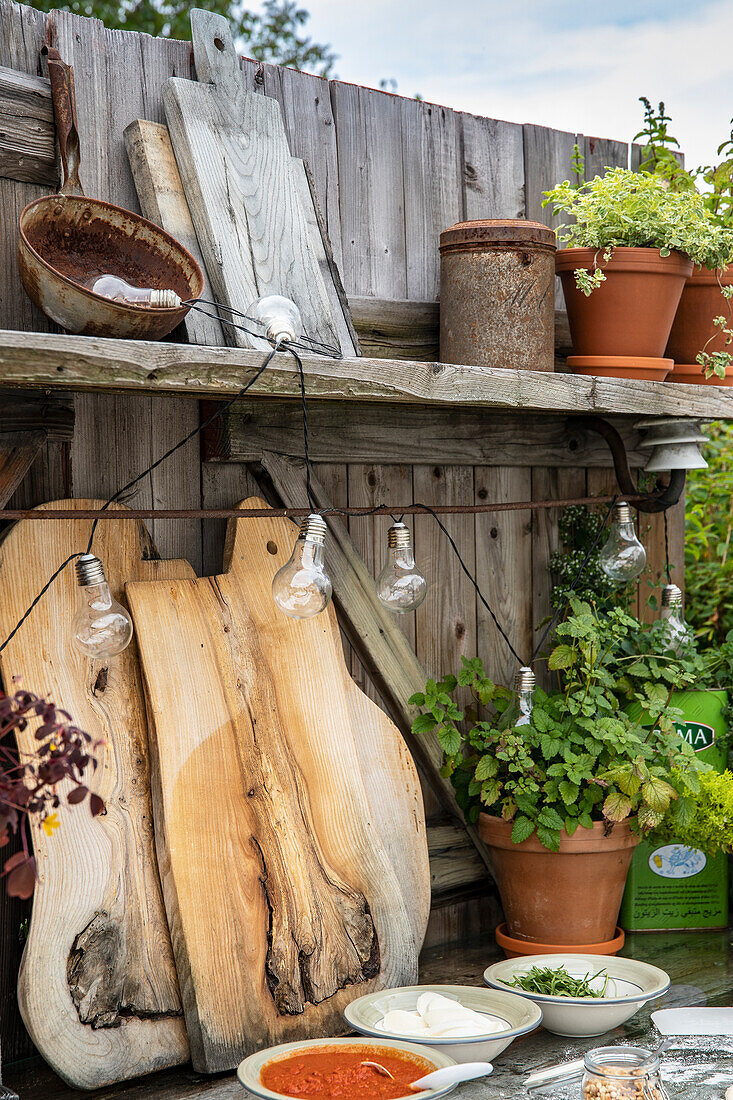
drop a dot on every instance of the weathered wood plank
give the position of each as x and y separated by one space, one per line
305 102
58 361
360 432
446 620
432 180
18 452
547 483
493 168
503 570
27 132
162 200
602 153
371 190
378 640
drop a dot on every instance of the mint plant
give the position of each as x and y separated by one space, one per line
582 759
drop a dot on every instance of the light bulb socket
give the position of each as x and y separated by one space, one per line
621 513
524 679
671 596
89 570
399 537
165 299
313 528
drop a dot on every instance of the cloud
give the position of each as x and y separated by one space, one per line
570 65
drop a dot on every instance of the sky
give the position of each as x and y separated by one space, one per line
572 65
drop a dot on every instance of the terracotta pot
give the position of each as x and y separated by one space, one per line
632 312
621 366
514 948
692 374
701 301
568 897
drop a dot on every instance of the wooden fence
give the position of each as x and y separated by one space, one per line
390 173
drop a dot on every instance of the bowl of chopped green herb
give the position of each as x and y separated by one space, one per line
580 995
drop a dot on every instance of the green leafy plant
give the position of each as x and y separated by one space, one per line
636 210
660 154
579 527
558 983
709 541
710 825
581 759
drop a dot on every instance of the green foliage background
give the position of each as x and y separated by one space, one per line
709 539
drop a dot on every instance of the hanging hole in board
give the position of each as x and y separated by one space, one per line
219 43
272 547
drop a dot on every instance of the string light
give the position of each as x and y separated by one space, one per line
401 586
101 627
677 633
279 319
302 588
520 712
622 556
118 290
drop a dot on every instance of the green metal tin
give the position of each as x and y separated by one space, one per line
670 887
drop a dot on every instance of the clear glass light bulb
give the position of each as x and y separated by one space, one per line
280 320
519 713
112 286
101 627
302 588
401 587
677 633
622 556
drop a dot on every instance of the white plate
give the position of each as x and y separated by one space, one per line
634 983
248 1071
521 1016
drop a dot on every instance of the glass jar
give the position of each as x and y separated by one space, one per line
622 1073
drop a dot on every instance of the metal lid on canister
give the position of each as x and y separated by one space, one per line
497 233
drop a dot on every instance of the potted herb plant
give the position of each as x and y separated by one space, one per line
702 332
562 800
630 248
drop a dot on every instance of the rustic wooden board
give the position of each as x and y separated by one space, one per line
234 160
289 820
119 76
97 988
359 432
162 200
59 362
27 139
493 168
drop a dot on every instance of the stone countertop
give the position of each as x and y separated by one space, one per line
700 965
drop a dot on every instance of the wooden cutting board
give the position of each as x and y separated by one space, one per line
288 814
243 195
97 987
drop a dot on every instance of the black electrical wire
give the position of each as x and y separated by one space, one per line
667 566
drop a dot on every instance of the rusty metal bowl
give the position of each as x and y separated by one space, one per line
66 239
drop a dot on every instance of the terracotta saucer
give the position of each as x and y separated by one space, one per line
692 373
514 948
621 366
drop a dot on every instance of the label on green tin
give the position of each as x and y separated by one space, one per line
699 736
676 861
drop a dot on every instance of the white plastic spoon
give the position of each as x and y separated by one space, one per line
453 1075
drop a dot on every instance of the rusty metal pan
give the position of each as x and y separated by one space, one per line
66 239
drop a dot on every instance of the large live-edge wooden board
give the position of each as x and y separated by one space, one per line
288 815
97 987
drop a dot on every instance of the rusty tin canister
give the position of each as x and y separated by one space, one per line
497 294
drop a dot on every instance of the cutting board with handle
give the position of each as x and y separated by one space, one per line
97 986
288 814
243 191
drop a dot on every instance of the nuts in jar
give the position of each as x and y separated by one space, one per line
622 1073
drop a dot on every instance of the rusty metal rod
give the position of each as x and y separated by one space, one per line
296 513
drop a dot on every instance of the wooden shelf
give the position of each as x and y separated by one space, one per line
54 362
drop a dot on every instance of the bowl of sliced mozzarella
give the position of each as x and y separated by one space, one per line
470 1024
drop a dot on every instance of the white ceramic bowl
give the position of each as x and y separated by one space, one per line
248 1071
632 984
365 1013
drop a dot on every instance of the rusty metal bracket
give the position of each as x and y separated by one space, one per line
663 497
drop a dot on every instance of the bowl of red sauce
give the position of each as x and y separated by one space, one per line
322 1069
